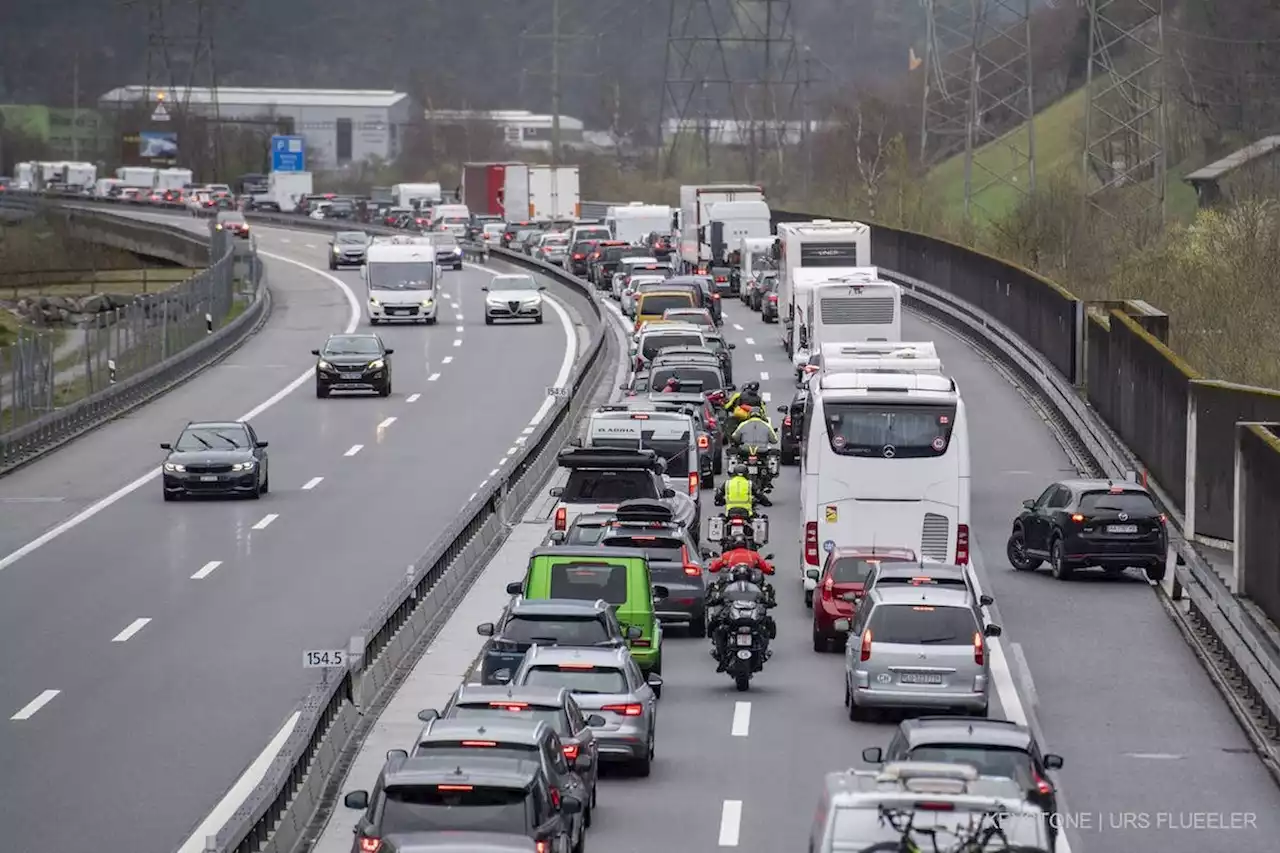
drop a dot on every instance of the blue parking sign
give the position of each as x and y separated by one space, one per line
288 154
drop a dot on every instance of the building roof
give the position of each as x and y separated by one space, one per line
237 96
515 118
1221 168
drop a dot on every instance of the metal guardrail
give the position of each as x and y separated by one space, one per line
166 339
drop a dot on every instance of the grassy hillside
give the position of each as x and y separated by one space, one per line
1059 140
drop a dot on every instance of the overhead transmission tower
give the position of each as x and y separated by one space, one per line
559 38
1125 110
979 91
731 62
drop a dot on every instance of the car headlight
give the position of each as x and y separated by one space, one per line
174 468
323 365
426 303
244 466
377 364
335 250
373 300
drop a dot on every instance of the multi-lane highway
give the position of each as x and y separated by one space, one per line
152 650
1154 761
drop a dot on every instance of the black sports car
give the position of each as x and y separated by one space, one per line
353 363
216 458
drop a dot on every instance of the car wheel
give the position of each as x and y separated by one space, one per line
717 466
373 321
644 765
321 391
848 697
698 627
430 321
266 483
488 321
256 494
333 266
169 496
808 599
820 643
1058 561
709 481
538 320
1016 551
1155 573
581 846
385 390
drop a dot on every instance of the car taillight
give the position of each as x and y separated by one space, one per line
827 586
630 710
866 645
561 518
721 279
811 543
786 422
571 751
962 544
691 569
370 845
1078 518
703 442
715 297
1163 520
979 648
773 297
640 644
541 847
1042 785
693 484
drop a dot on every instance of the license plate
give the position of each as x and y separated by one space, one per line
395 312
1122 528
744 639
753 469
209 478
348 375
744 654
919 678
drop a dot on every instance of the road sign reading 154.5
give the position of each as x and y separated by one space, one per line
324 659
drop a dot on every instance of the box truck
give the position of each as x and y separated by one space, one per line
695 219
822 245
553 193
484 187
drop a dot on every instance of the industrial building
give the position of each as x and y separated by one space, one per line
521 129
340 126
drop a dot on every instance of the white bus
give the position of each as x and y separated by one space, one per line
822 247
886 464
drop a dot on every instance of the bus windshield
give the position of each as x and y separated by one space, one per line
889 430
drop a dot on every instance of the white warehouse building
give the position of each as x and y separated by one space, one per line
341 126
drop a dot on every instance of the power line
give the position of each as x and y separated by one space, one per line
559 39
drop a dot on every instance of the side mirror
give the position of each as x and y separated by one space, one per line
660 592
542 287
1052 762
570 805
358 800
992 631
733 346
486 629
556 491
842 625
768 556
164 445
654 680
986 600
396 753
315 352
784 409
426 715
634 633
556 537
515 588
262 444
873 755
812 574
668 493
388 351
595 721
1029 503
484 289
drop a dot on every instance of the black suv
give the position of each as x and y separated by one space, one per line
546 622
514 739
484 793
1077 524
359 362
994 747
792 431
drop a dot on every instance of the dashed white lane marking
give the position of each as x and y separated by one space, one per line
386 422
458 328
764 376
134 627
285 240
493 473
759 357
353 321
266 520
29 710
448 359
432 378
355 448
766 396
750 341
241 790
413 398
741 719
310 245
730 822
206 570
457 342
312 483
527 431
737 327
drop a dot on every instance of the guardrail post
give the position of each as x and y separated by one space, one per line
111 373
501 498
211 844
409 574
355 666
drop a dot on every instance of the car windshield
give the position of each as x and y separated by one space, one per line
577 679
444 240
986 759
352 346
463 750
892 431
754 433
653 344
493 228
654 304
608 486
585 533
555 240
582 247
512 284
425 808
351 239
1134 503
587 581
593 234
525 234
213 438
923 625
402 275
853 569
697 316
709 377
562 630
514 710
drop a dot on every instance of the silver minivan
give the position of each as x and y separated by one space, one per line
917 647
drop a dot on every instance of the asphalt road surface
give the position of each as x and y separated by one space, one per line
152 650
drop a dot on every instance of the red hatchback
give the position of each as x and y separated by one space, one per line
842 583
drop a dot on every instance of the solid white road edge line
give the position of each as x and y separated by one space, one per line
741 726
119 494
312 483
266 521
566 363
134 627
730 822
29 710
240 791
206 570
354 449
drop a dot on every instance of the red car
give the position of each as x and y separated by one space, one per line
841 583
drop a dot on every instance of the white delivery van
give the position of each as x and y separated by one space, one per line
401 277
636 221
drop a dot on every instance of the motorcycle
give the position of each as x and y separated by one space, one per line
756 446
724 528
744 624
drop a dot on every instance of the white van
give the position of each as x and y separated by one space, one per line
401 275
